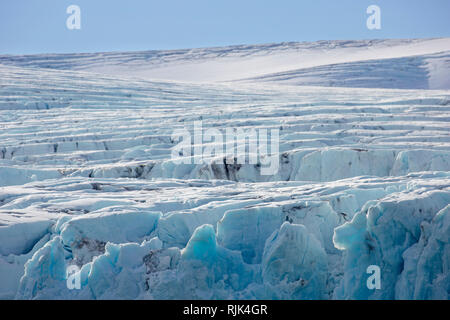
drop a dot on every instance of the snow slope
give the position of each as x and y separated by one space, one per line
418 63
87 179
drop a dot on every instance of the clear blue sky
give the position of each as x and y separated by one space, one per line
39 26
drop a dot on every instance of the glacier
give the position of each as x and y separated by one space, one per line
87 179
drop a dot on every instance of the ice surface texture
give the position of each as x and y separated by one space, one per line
87 180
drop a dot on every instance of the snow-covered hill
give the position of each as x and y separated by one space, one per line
403 64
87 177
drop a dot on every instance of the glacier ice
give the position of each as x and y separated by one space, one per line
426 263
306 247
87 180
294 264
388 233
87 237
